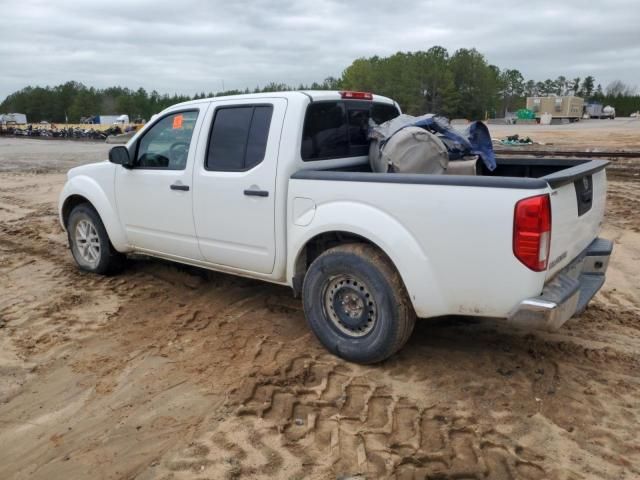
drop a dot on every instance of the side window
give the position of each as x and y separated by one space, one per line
238 138
166 144
340 129
383 112
325 131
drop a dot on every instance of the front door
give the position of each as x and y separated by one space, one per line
235 184
155 196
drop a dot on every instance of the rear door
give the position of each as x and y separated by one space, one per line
577 211
235 184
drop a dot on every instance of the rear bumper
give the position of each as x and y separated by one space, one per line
569 292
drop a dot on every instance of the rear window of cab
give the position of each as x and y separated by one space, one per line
338 129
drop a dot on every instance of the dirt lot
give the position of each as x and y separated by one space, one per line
176 373
620 134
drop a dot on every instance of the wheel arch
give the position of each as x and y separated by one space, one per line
362 222
417 279
69 204
83 189
320 243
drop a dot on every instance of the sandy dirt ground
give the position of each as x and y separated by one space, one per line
169 372
622 133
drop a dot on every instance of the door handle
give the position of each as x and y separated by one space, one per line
179 186
256 193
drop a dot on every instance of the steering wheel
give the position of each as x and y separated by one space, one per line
178 154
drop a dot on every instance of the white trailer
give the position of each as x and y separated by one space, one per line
13 119
111 120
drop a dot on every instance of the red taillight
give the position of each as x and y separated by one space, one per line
357 95
532 231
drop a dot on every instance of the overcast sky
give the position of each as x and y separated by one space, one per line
189 46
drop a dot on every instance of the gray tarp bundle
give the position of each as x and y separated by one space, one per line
413 151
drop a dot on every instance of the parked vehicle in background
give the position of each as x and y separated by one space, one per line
596 110
108 119
12 119
122 120
278 187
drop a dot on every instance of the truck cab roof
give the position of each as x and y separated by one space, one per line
313 95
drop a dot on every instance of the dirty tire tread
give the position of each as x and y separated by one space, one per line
382 277
403 302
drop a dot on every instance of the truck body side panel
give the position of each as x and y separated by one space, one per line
451 244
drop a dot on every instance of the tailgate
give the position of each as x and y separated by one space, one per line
577 209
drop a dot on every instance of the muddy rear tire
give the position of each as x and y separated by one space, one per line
356 304
89 242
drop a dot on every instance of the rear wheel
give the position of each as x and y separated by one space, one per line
356 304
89 242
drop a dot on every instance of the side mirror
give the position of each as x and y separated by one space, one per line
120 156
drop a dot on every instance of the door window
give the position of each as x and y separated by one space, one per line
238 138
166 144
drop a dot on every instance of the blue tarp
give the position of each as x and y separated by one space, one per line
475 140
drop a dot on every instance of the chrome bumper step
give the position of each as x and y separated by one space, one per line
569 292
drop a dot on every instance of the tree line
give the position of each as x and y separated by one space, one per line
466 85
459 85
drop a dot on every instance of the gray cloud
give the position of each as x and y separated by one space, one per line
189 46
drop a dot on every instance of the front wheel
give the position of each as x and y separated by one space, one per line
89 242
356 304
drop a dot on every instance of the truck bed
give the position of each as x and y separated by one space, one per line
527 173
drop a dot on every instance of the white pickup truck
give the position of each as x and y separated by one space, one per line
278 187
